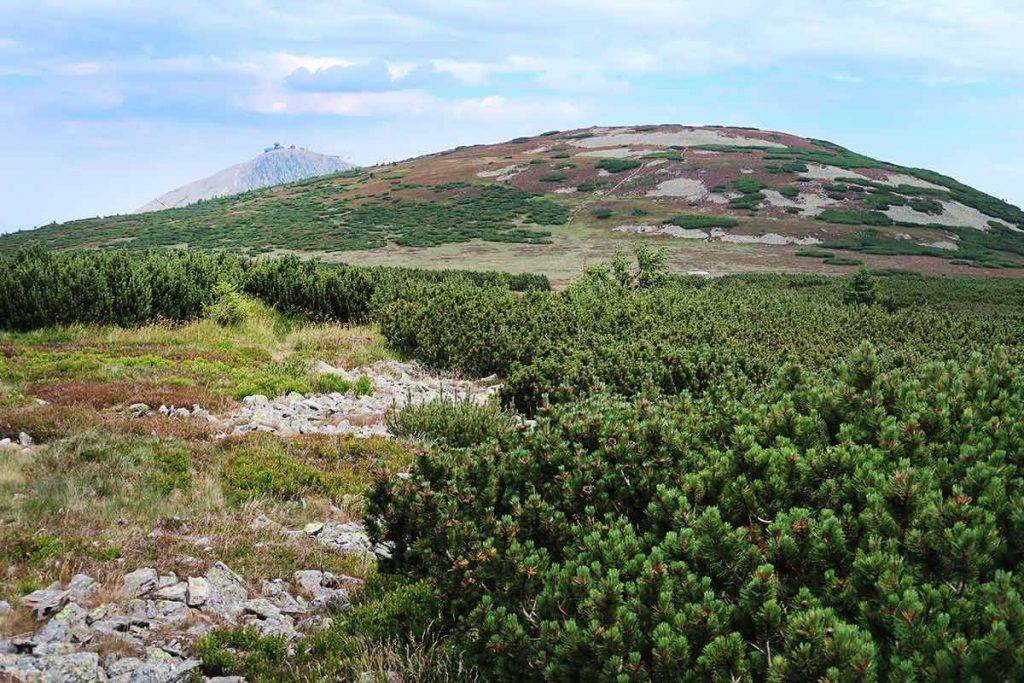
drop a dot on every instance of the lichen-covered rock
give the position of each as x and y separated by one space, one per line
227 592
139 582
81 587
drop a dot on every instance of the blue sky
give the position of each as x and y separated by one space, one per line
106 104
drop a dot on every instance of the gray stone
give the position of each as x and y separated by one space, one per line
177 592
78 667
280 625
169 612
181 412
45 601
81 586
5 607
139 409
139 582
154 669
227 592
167 580
198 591
349 538
20 668
24 439
7 647
262 608
323 588
5 443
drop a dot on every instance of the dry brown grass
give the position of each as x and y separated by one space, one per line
106 394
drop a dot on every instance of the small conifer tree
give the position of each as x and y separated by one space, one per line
862 289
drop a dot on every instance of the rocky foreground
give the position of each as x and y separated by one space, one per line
147 622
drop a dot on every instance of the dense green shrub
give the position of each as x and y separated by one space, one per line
852 526
455 421
41 288
849 217
601 212
618 165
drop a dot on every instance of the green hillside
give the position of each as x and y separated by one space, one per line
556 201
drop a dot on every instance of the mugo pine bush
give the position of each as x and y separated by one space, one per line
850 528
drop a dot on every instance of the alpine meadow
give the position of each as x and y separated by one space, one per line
529 390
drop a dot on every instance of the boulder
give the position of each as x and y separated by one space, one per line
46 601
198 591
178 592
227 592
81 587
139 582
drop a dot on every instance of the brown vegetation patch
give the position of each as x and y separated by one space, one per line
46 422
106 394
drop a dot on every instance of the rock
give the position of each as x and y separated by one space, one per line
349 538
139 582
7 647
45 601
139 409
170 612
67 626
75 668
5 607
181 413
279 625
20 668
24 439
81 587
312 528
155 669
324 589
262 608
166 580
5 443
227 592
255 400
226 679
198 591
177 592
277 592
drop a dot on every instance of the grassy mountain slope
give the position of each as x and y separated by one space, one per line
720 199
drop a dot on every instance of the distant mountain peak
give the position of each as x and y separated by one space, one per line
276 165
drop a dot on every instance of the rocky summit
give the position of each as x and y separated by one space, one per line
275 166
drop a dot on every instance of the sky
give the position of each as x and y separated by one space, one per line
106 104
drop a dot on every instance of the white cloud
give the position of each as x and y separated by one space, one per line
498 107
278 101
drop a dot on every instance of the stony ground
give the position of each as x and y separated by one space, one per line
163 484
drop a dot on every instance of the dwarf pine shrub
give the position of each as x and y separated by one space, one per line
855 526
